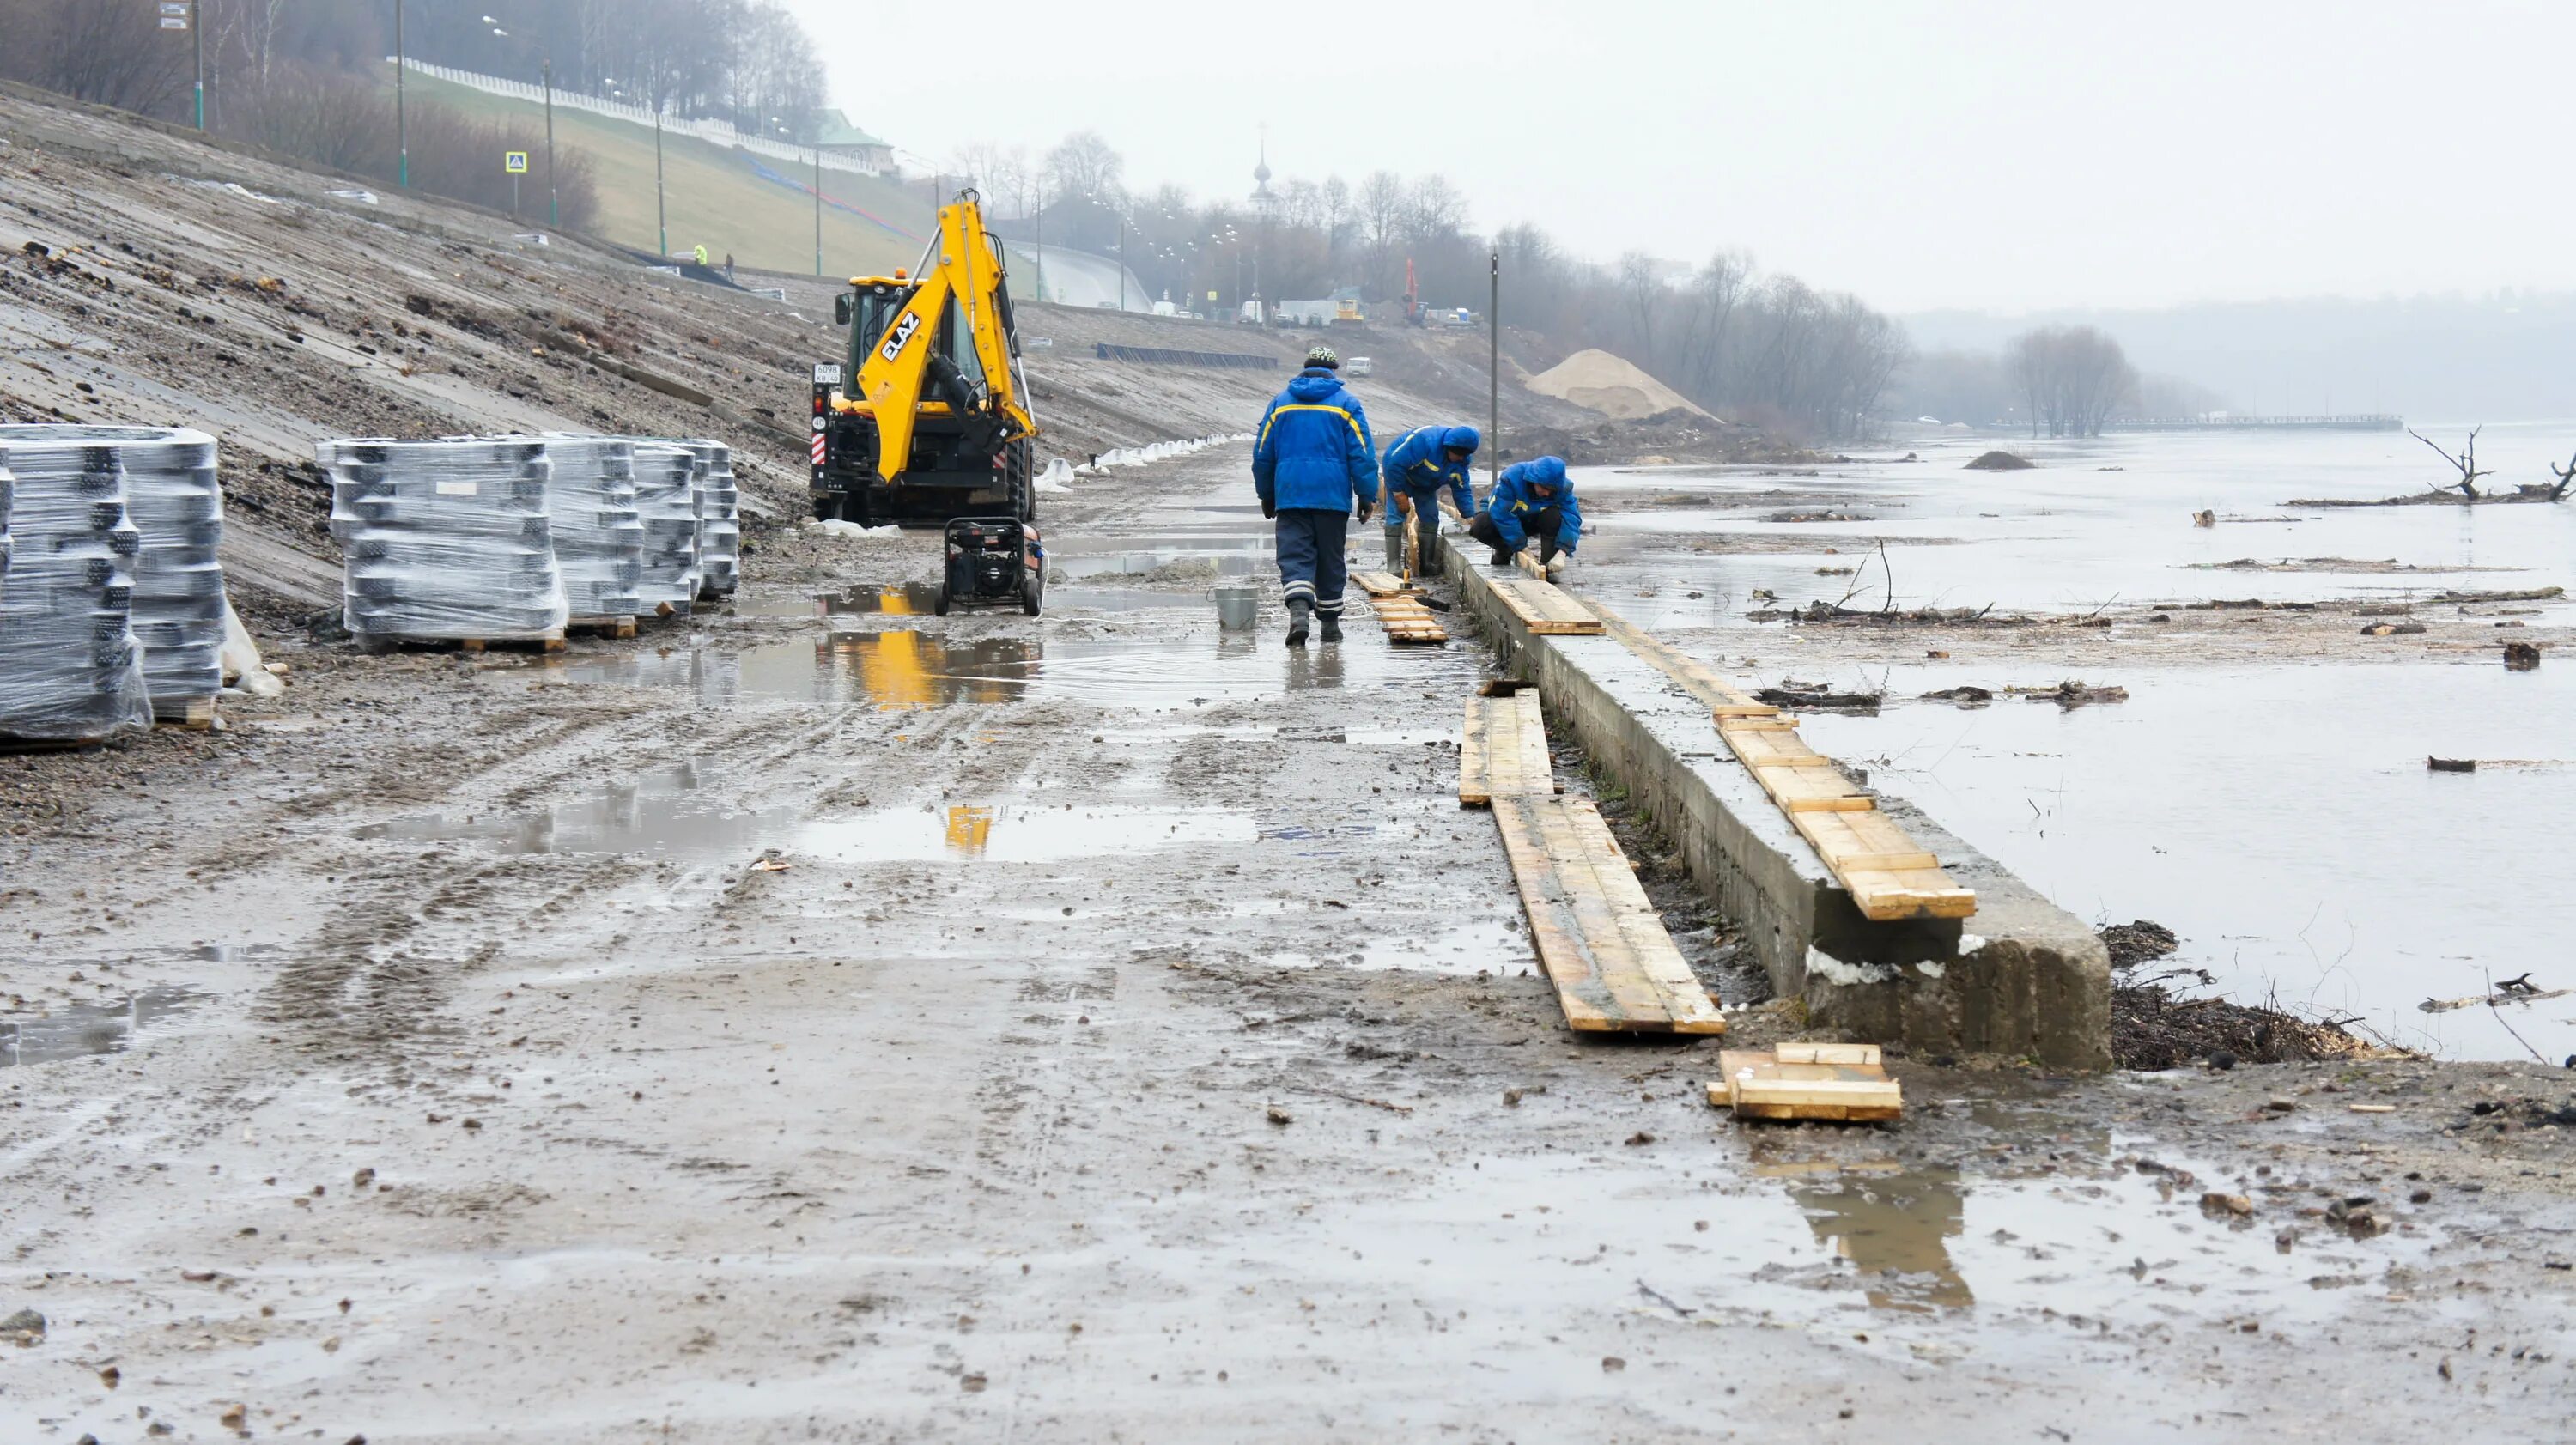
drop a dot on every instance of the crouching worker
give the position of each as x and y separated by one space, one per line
1420 464
1314 466
1532 499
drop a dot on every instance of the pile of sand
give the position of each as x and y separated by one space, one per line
1599 381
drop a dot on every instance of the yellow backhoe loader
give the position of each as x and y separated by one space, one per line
932 421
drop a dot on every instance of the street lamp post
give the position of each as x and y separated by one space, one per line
554 208
661 214
402 123
197 38
818 197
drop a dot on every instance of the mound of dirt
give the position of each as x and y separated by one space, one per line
2001 462
1607 384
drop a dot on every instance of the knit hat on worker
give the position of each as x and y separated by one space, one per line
1323 356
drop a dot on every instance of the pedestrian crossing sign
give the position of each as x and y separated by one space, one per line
515 162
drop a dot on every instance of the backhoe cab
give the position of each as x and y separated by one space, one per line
932 421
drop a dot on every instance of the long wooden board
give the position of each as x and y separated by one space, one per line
1843 1082
1504 752
1544 608
1887 873
1614 966
1408 621
1380 584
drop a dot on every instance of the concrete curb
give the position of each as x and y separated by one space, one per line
2023 978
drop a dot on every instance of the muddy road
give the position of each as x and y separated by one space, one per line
838 1023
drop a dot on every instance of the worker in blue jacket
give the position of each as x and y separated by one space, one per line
1532 499
1421 462
1315 467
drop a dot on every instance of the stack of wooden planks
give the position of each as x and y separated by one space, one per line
1400 611
1599 938
1888 874
1844 1082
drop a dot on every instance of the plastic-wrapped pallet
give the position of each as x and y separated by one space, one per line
719 518
599 537
69 668
666 496
445 540
174 501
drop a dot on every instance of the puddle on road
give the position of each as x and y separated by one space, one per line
668 812
83 1030
919 599
904 668
1020 833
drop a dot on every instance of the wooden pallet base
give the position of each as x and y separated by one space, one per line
619 627
196 715
1844 1083
1504 751
378 645
10 744
1605 949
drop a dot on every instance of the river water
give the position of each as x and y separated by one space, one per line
2273 809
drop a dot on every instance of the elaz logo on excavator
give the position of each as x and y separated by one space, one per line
904 326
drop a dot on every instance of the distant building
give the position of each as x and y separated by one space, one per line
842 138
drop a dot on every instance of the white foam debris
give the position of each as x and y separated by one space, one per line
1969 943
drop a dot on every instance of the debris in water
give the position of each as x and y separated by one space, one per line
2521 656
2000 461
2451 765
2071 694
1963 696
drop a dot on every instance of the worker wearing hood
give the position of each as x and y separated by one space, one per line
1420 464
1533 499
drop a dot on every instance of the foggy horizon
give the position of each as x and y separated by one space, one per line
1926 158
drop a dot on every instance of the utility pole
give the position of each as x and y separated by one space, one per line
554 210
402 125
1494 372
661 215
1122 260
818 198
1041 240
197 36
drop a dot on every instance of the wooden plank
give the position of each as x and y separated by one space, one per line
1887 895
1544 608
1694 676
1861 841
1379 584
1600 940
1821 786
1504 751
1773 747
1845 1054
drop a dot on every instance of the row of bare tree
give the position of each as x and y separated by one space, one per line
1773 350
2073 378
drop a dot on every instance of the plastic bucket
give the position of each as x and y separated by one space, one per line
1237 607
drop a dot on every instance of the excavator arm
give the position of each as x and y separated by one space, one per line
961 269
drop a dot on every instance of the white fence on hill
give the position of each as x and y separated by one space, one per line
715 131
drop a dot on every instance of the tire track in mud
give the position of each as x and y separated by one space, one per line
371 983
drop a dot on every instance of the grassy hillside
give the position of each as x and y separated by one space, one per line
713 195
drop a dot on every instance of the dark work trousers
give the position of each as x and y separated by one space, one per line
1540 526
1311 567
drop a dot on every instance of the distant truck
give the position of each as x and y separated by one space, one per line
1358 366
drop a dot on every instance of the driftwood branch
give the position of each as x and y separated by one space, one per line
2566 475
2466 463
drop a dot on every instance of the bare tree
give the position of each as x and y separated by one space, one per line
1084 164
2466 462
2073 378
2565 475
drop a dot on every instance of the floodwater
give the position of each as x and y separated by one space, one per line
2100 521
2277 814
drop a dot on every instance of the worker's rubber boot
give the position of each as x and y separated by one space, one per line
1395 550
1502 557
1297 623
1332 630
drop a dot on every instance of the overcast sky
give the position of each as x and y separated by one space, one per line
1999 155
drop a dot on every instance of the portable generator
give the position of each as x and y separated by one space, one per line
992 562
